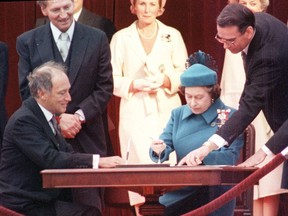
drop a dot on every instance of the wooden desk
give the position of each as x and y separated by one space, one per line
150 182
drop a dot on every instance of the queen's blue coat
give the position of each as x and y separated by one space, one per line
185 132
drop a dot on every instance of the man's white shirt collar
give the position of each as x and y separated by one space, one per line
48 115
56 32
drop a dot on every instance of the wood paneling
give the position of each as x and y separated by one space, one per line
195 19
15 18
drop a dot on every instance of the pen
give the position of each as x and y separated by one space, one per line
128 150
155 138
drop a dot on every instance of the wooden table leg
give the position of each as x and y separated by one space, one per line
152 206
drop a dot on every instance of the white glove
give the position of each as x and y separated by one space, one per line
142 85
156 80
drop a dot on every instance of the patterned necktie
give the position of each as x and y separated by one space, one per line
63 45
57 130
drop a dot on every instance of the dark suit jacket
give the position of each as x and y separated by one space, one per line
30 146
3 86
89 73
91 19
90 76
266 86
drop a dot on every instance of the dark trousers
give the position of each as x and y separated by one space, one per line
61 208
200 196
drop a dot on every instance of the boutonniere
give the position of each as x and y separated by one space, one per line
222 117
166 37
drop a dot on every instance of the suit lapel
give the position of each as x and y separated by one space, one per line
34 107
79 47
44 43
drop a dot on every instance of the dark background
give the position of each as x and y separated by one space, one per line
195 19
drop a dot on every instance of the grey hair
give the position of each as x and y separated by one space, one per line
264 3
43 3
41 77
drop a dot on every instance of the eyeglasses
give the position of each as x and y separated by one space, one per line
228 42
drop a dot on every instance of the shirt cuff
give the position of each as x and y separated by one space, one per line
218 140
285 152
95 162
267 151
81 115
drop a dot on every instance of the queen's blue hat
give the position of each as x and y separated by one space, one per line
198 75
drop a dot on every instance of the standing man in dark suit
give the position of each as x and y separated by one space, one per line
32 142
264 40
86 17
3 86
86 53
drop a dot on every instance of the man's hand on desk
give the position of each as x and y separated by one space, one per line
70 125
255 159
109 162
194 158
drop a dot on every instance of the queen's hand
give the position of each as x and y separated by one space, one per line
158 146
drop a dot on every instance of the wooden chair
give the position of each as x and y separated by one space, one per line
244 203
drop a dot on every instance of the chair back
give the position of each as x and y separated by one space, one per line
244 202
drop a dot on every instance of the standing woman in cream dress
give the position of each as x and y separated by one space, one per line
148 58
267 192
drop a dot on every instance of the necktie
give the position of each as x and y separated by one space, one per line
63 45
244 57
57 130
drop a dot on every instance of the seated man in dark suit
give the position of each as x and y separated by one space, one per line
3 86
33 142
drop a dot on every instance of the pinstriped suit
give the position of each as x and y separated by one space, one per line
266 85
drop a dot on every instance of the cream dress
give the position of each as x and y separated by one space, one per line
143 116
232 83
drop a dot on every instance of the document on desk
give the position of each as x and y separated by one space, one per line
219 165
142 165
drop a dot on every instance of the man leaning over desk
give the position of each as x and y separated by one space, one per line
32 143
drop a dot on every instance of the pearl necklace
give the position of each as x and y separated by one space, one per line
148 37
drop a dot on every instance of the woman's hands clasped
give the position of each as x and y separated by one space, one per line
148 84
